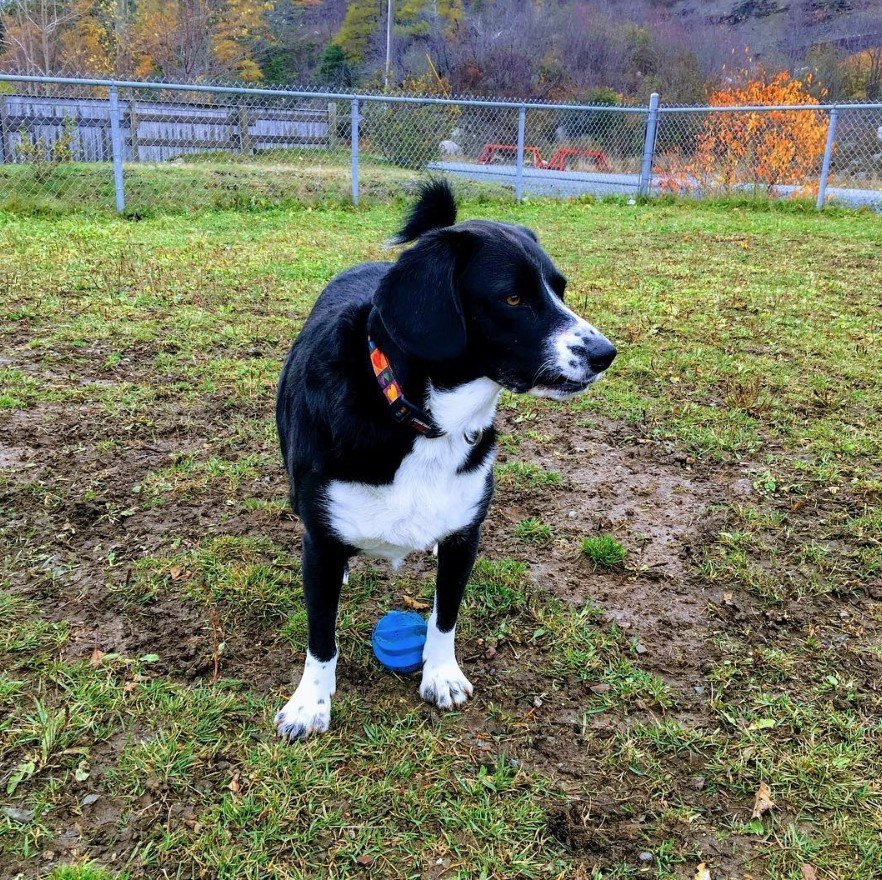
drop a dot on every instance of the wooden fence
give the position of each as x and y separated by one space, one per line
154 131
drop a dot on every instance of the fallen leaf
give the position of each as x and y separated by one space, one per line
415 604
762 801
25 770
809 872
234 783
17 815
97 657
702 872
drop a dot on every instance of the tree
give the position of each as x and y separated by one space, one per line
299 31
334 69
238 26
31 35
359 26
764 149
171 38
188 40
501 48
863 74
97 41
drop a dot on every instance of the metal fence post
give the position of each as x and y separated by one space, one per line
645 184
828 155
355 151
519 174
5 139
117 147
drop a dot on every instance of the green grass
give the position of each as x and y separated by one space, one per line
526 475
205 182
84 871
142 514
532 531
603 551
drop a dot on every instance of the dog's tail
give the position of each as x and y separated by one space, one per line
434 209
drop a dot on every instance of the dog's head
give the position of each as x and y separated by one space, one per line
487 295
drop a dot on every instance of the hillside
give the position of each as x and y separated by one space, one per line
770 27
562 50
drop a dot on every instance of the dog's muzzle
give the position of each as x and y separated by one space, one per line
580 356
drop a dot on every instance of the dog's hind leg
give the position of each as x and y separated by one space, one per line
309 710
443 681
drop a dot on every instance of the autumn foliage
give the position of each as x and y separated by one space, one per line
762 149
184 40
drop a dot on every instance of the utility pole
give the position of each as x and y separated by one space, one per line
388 42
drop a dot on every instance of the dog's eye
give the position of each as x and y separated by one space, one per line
513 299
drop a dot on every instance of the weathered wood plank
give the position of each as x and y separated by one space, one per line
244 129
333 140
134 122
16 120
288 140
172 116
193 144
290 115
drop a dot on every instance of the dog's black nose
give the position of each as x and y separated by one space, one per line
601 355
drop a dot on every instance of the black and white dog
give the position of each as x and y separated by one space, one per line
385 414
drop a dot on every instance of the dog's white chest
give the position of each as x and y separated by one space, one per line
428 499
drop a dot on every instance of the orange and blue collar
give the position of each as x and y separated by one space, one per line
403 411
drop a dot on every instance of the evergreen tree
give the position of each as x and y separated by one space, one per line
334 69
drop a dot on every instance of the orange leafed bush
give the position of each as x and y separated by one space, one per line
760 149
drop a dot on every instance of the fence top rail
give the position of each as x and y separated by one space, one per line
299 93
756 108
412 99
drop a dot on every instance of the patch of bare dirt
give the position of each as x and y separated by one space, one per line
657 501
15 427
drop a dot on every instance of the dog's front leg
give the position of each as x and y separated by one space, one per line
443 681
309 710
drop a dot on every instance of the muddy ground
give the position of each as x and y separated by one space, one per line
662 503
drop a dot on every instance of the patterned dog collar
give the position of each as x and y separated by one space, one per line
403 411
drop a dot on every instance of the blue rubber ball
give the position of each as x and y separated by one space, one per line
398 641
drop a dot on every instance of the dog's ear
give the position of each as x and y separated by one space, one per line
419 301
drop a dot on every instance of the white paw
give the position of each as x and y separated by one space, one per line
445 685
307 712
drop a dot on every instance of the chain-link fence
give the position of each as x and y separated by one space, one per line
822 153
139 147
